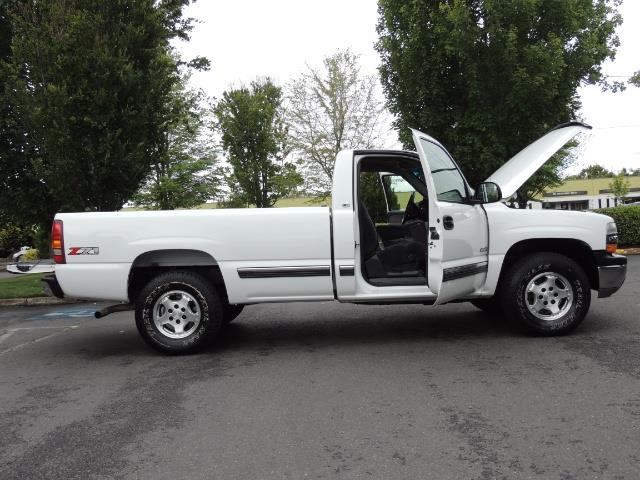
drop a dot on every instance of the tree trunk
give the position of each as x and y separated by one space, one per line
522 200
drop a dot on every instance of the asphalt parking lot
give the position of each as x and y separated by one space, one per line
323 391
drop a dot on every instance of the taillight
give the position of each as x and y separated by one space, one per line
612 237
57 242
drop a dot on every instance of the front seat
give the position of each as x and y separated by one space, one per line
403 256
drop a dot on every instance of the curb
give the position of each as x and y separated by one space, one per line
35 301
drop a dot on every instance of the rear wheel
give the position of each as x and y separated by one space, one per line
178 312
546 293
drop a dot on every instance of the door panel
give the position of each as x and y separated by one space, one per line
458 243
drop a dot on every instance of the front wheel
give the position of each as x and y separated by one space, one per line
546 293
231 311
178 312
489 305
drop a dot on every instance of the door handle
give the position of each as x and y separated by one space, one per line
447 221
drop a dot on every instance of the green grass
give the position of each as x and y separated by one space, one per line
302 202
22 286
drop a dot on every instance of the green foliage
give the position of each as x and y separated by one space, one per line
30 255
487 78
592 171
630 172
332 109
22 286
254 138
619 186
84 100
627 219
372 195
12 237
184 175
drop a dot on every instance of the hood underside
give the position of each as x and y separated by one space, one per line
514 173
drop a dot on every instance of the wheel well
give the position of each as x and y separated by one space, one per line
577 250
150 264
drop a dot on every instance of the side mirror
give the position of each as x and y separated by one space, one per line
487 192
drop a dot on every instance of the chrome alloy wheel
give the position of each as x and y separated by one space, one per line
176 314
548 296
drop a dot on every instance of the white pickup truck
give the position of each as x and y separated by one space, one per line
187 273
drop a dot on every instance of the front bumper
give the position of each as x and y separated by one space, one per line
612 270
51 286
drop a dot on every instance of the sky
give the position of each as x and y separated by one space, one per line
246 39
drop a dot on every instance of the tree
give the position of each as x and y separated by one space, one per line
184 175
619 186
630 172
332 109
254 138
87 84
12 237
487 78
593 171
14 150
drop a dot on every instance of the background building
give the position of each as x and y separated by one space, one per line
588 194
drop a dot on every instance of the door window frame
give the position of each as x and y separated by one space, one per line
468 190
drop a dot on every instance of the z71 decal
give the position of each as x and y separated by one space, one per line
83 251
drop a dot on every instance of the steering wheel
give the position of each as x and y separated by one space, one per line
412 211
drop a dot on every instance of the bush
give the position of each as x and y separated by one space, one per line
30 255
627 218
12 237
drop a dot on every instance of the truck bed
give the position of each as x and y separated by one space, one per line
238 241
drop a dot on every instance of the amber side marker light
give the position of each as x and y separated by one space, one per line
612 237
57 242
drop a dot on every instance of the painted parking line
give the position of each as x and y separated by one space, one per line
11 331
5 336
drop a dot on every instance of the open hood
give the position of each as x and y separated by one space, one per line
513 174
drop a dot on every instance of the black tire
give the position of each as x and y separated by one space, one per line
489 305
516 299
206 300
231 312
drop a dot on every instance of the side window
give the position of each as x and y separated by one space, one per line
399 191
449 183
372 195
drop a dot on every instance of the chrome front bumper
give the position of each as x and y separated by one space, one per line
612 271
